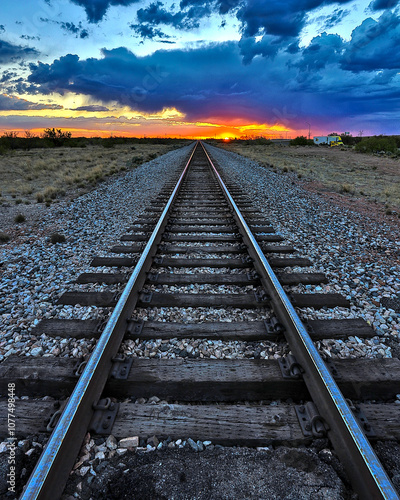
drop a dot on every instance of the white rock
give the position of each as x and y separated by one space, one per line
111 443
84 470
129 442
36 351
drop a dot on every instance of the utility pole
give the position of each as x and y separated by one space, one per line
309 130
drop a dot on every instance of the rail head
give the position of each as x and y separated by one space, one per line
48 479
367 473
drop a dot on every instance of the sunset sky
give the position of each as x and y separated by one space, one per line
200 68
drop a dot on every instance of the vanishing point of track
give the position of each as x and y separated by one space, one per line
202 216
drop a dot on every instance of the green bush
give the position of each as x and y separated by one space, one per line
19 218
4 238
56 136
52 137
301 141
261 141
376 144
137 159
57 238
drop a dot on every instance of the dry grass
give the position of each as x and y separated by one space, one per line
46 175
342 171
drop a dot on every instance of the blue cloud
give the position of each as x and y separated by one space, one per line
220 6
274 17
12 53
69 27
292 84
383 4
29 37
268 47
374 45
322 50
7 76
335 18
156 14
146 30
9 103
91 108
173 78
96 9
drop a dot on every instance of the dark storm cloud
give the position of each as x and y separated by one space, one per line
12 103
385 77
151 17
29 37
374 45
96 9
337 16
156 14
293 48
7 76
308 82
383 4
69 27
322 50
174 78
91 108
220 6
268 47
11 53
272 18
145 30
77 30
285 19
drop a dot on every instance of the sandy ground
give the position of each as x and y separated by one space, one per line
60 174
56 173
369 178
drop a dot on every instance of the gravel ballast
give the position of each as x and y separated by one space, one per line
358 253
359 256
36 272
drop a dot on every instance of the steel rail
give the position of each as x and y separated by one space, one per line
48 479
365 471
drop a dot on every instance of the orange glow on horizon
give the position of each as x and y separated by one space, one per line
159 127
113 119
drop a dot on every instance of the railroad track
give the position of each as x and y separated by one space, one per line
203 235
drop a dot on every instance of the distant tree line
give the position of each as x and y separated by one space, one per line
378 144
54 138
374 144
301 141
